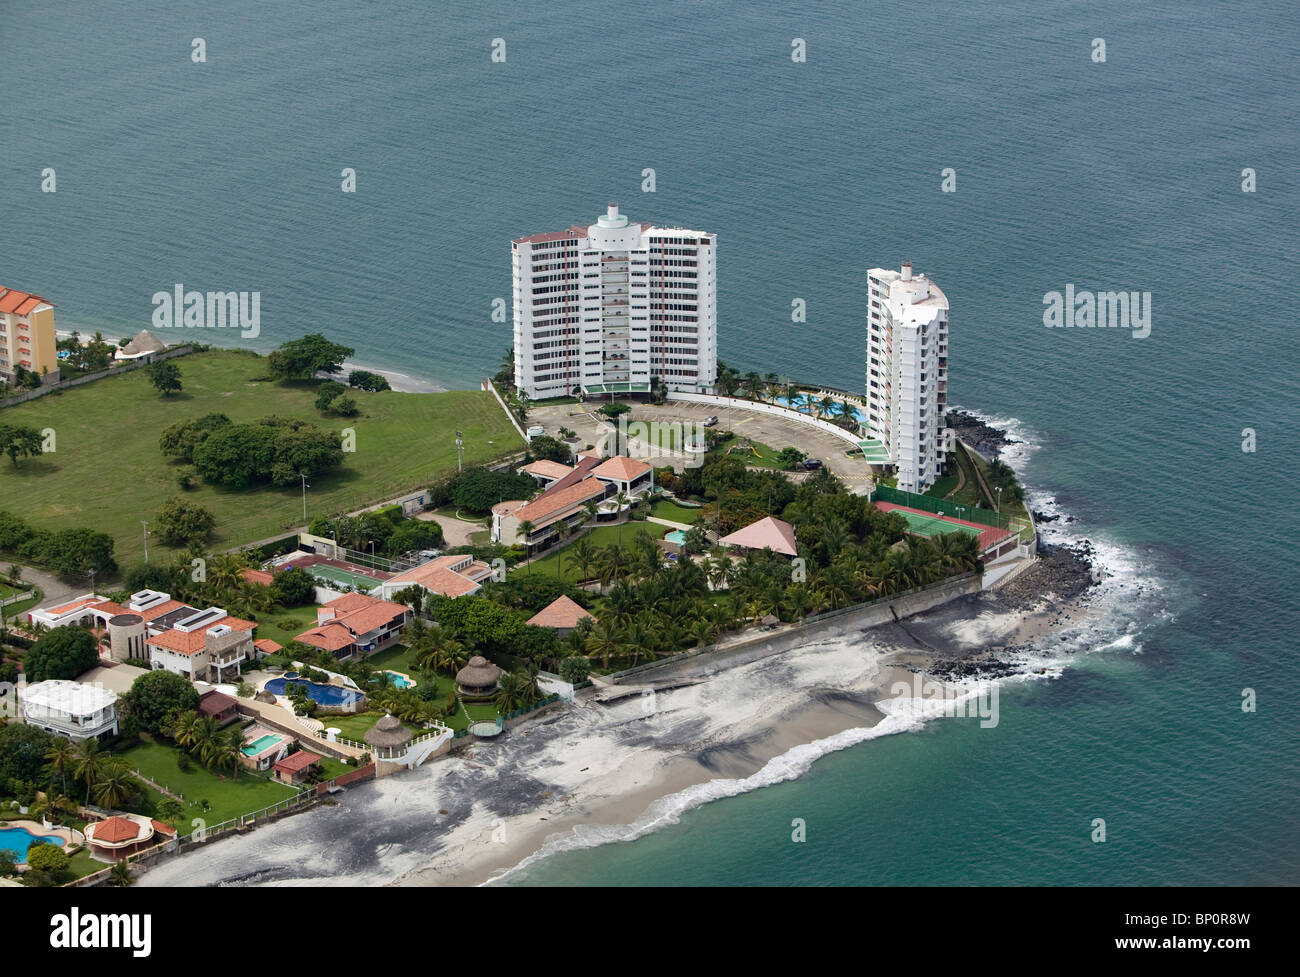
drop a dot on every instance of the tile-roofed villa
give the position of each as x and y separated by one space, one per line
454 575
766 534
356 624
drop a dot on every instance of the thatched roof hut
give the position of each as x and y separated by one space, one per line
388 734
143 343
479 677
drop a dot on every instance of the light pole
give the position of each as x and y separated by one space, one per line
999 491
303 476
960 510
145 533
460 444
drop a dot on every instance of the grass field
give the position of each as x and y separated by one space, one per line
663 509
228 797
600 536
107 472
282 626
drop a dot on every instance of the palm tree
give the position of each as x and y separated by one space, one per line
185 728
89 764
605 641
510 693
703 631
115 783
826 406
582 554
62 755
525 528
120 874
224 569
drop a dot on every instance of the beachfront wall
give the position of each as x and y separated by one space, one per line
773 409
830 625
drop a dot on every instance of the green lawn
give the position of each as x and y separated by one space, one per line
229 796
283 625
108 473
664 509
765 457
942 486
600 536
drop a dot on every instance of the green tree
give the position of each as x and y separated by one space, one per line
20 442
166 376
302 359
155 695
183 523
62 653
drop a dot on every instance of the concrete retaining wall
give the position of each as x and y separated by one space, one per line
775 643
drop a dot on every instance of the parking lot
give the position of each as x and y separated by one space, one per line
776 432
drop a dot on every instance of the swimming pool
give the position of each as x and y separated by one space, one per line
401 681
261 743
677 536
15 841
326 695
801 405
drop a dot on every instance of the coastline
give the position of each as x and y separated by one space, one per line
592 773
401 382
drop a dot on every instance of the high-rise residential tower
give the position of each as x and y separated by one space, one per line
907 372
614 307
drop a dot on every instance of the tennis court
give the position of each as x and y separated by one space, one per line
323 571
923 524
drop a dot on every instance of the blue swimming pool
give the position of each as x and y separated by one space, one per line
326 695
677 536
801 405
15 841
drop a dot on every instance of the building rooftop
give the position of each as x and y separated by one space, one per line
770 533
297 762
454 575
361 613
621 468
73 698
19 303
563 612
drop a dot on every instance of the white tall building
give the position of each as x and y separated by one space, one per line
907 373
614 306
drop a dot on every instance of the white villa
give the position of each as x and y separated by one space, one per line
70 709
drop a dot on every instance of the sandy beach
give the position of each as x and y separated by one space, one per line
591 773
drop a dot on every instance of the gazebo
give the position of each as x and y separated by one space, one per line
479 677
389 738
119 835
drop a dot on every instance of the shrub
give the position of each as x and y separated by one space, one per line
47 858
158 694
181 523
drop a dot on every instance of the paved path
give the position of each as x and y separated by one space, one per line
53 589
455 531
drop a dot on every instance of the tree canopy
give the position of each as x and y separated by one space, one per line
302 359
166 376
155 697
180 522
61 653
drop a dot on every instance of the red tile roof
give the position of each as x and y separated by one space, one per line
770 533
361 613
330 636
297 762
260 577
558 501
449 575
563 612
115 830
19 303
622 468
192 642
267 646
576 231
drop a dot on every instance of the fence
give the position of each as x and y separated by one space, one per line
941 507
112 371
18 598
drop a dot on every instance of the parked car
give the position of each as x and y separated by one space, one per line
535 431
811 464
711 421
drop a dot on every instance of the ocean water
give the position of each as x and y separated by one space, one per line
1123 175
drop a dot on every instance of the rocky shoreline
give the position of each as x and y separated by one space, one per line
982 437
